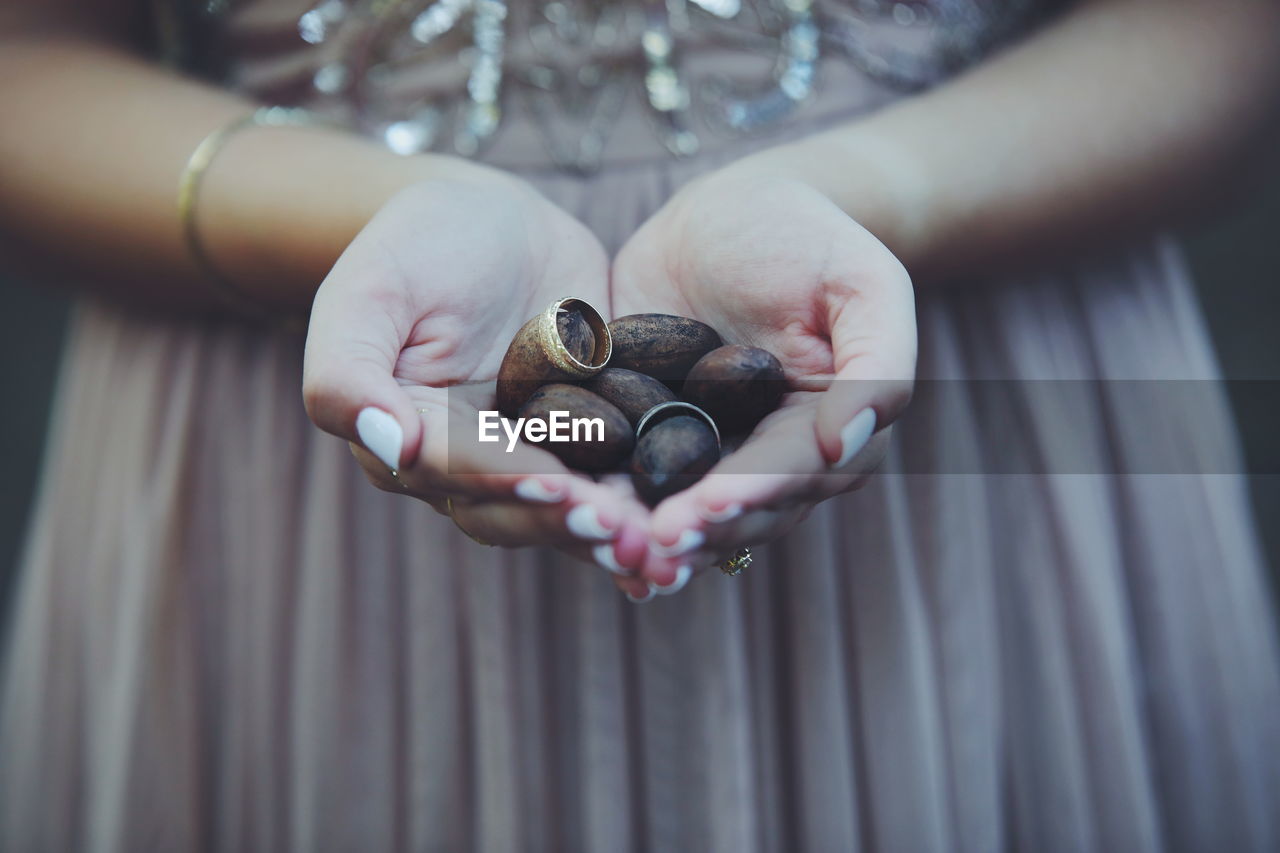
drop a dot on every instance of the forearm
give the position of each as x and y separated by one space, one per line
94 144
1121 117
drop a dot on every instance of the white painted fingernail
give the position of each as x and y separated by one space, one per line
533 489
690 540
648 596
584 522
855 435
720 516
604 555
682 577
381 435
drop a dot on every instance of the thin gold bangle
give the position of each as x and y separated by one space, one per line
193 177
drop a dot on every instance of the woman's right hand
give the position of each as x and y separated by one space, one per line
405 339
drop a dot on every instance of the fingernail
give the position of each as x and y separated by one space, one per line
855 435
682 577
584 522
719 516
605 556
690 540
647 596
533 489
381 435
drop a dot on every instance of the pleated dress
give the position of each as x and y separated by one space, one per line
1045 624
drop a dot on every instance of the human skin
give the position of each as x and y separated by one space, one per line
1119 117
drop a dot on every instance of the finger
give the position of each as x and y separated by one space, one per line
451 462
779 464
377 473
668 576
418 482
349 386
783 467
766 523
756 527
605 541
635 588
735 504
873 338
554 510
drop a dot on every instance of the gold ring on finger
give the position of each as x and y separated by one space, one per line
735 564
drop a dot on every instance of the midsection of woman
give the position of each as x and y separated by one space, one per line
1027 631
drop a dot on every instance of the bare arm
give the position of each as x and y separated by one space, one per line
94 140
1121 117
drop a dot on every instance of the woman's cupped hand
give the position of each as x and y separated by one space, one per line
768 260
403 347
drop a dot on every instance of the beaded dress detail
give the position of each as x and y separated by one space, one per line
440 74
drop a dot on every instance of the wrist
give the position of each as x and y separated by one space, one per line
280 205
867 177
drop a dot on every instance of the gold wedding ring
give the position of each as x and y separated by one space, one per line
448 506
735 564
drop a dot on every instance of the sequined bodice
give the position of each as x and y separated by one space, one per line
449 74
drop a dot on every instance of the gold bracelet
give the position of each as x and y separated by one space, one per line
193 176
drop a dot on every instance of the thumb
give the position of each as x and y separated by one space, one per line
873 341
349 385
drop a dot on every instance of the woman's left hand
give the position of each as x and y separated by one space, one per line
769 261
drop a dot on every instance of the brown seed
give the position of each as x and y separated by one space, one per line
599 447
633 393
737 386
676 444
663 346
576 334
538 354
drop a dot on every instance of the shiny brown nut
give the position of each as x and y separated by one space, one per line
676 444
663 346
737 386
599 446
575 334
538 355
633 393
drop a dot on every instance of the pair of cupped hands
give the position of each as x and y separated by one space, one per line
408 330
